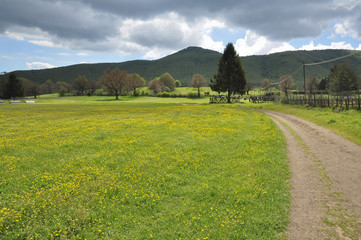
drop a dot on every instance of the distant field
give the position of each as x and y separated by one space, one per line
140 168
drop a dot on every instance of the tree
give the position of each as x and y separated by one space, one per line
311 85
30 88
323 85
3 82
93 86
231 76
167 81
63 85
115 81
48 86
266 84
156 86
135 81
13 87
198 81
177 83
343 79
81 84
285 84
249 87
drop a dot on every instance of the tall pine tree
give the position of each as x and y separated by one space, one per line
13 87
231 77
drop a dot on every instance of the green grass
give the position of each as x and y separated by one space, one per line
346 123
110 100
94 168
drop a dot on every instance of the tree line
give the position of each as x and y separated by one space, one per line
113 82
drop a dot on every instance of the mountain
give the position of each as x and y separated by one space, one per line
183 64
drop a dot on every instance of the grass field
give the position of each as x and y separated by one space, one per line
346 123
140 168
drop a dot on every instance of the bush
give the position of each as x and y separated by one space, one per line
177 83
62 92
193 95
164 94
100 92
284 100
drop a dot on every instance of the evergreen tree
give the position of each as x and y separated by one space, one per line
231 77
13 87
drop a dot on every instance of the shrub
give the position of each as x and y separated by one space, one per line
62 92
100 92
193 95
164 94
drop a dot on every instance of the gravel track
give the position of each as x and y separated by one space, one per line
326 181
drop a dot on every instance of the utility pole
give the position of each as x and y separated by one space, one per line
304 78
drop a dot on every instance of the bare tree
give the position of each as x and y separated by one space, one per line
115 81
266 84
135 81
285 84
311 86
156 86
198 81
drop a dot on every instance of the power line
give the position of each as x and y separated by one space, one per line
298 69
312 64
327 61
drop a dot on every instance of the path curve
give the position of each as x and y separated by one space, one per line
326 181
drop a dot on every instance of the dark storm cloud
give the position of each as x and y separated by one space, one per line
97 21
67 19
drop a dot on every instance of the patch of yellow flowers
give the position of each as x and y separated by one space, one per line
122 172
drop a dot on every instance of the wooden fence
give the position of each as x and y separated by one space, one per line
317 100
223 99
331 101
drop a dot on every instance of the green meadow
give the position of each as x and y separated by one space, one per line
140 168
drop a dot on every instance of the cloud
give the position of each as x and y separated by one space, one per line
39 65
8 57
82 54
253 44
131 26
333 45
43 43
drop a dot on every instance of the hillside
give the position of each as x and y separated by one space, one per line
273 66
183 64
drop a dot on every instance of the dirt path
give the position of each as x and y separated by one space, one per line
326 181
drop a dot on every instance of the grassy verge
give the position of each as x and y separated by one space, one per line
346 123
128 170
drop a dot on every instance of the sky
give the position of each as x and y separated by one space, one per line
38 34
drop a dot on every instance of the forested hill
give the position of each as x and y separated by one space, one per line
183 64
274 66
